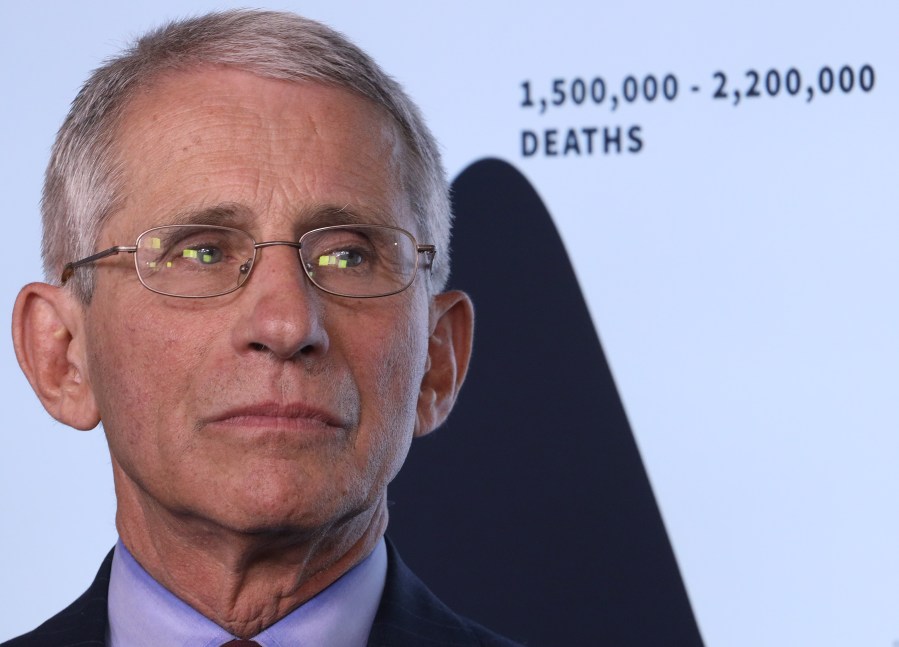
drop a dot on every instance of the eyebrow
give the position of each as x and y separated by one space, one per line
325 215
227 214
235 215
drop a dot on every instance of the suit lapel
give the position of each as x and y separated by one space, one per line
411 616
81 624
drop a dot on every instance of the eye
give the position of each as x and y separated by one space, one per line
342 259
204 254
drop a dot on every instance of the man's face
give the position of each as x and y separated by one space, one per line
276 406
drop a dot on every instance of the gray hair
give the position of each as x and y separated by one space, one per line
83 182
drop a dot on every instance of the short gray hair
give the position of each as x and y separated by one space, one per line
83 181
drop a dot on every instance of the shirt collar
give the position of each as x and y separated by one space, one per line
143 613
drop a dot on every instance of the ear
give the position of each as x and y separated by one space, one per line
449 349
48 335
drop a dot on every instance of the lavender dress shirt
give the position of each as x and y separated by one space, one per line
143 613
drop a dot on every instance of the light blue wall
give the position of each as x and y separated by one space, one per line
741 269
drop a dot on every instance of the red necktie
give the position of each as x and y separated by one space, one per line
240 643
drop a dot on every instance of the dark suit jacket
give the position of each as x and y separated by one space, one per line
409 616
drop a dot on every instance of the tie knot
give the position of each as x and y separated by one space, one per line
237 642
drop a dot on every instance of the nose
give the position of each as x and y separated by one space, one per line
281 311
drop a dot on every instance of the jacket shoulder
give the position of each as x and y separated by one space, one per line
81 624
411 615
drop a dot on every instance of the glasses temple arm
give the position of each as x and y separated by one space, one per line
70 268
430 252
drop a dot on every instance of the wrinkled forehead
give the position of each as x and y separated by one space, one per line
210 134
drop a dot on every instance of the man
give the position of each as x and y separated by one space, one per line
246 223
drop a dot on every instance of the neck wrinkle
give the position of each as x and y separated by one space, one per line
244 582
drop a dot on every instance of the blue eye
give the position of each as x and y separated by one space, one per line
341 259
349 258
205 255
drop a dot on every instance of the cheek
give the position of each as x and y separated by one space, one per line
400 371
397 381
116 375
140 373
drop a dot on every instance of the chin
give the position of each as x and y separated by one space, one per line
286 514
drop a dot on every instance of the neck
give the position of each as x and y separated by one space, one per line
245 581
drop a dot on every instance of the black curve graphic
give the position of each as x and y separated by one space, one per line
531 511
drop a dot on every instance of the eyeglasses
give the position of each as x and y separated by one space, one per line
195 261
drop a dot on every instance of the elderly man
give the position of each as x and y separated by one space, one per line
246 225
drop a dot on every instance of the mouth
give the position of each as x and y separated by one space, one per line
278 417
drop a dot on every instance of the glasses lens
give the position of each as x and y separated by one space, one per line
359 260
194 260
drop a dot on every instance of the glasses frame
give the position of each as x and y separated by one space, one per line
428 250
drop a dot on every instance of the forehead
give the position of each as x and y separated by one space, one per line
272 150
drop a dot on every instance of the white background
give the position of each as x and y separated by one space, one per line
741 270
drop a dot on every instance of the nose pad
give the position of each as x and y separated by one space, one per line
244 271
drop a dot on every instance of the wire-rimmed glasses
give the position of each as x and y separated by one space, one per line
195 261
